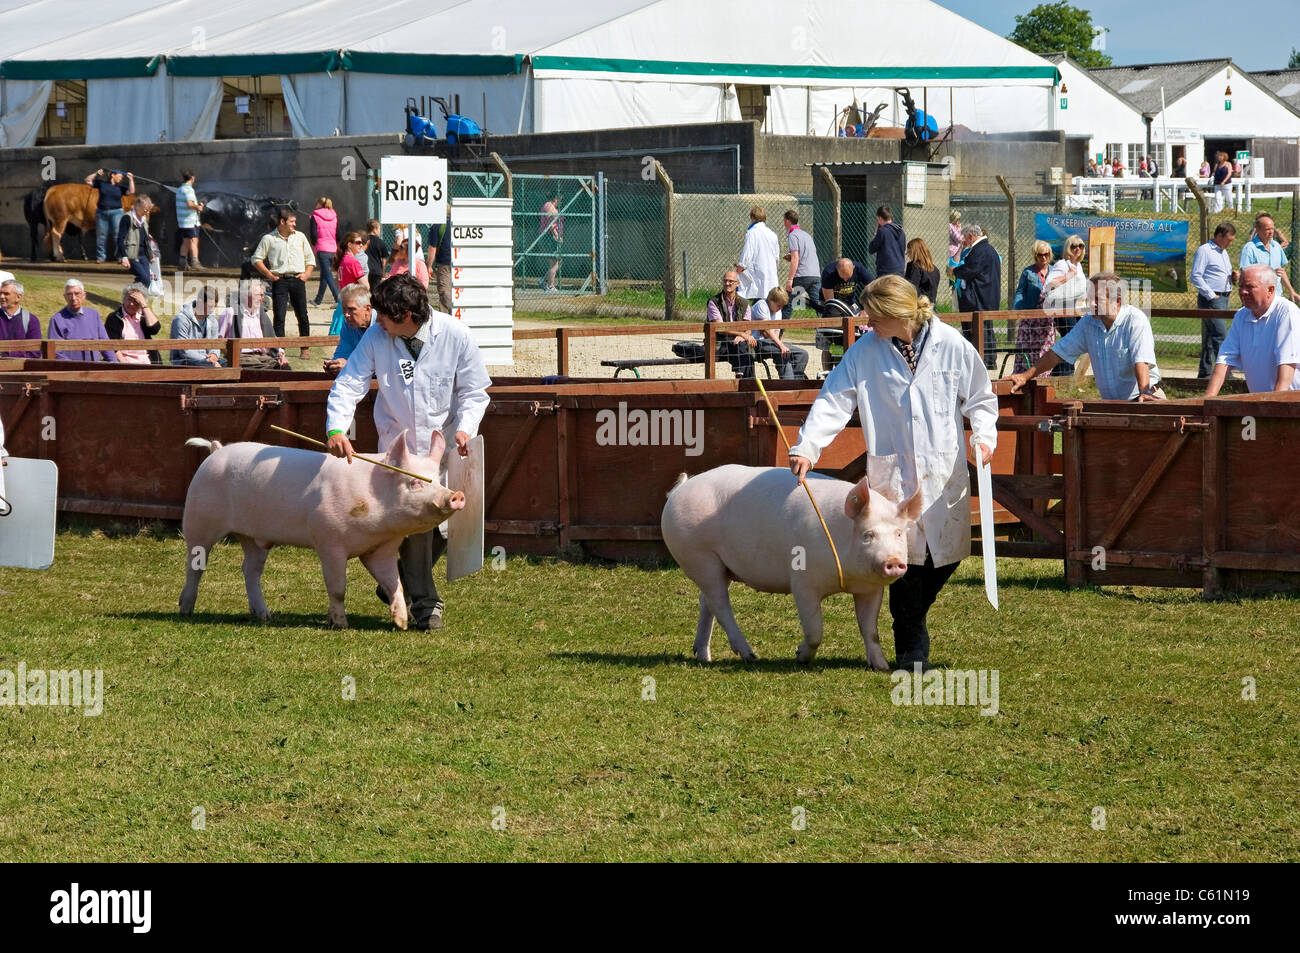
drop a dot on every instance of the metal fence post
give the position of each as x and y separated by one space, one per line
670 285
1012 275
1205 209
837 244
602 272
1295 229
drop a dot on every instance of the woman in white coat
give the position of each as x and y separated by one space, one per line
911 379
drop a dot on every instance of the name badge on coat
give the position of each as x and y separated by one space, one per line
407 367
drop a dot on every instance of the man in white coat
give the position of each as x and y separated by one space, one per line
911 379
757 265
431 379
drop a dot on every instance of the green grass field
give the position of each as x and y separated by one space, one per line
529 709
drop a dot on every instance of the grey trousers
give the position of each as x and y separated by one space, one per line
415 561
1212 332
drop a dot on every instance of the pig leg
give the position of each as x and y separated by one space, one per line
254 562
810 617
704 632
713 585
867 608
382 564
334 567
196 561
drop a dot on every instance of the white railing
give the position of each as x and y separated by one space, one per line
1101 193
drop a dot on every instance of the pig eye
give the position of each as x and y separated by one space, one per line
868 536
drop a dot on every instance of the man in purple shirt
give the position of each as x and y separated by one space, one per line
16 322
727 305
79 323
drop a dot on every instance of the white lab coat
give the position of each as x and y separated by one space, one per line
758 258
912 427
446 389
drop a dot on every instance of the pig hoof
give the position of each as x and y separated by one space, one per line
705 657
400 621
749 657
340 623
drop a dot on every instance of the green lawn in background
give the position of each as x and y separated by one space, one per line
530 707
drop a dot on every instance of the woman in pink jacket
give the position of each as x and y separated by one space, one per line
324 241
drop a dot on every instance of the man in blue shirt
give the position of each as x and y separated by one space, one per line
1213 277
355 299
1264 249
1118 339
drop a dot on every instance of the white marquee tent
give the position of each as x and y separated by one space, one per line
153 69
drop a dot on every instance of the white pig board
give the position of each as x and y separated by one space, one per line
465 527
27 533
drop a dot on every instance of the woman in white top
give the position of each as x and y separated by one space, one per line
911 379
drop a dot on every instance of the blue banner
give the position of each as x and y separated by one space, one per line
1145 249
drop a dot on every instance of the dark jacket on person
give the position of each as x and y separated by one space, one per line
925 282
981 276
890 248
113 325
132 241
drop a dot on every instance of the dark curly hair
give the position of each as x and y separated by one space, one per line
400 295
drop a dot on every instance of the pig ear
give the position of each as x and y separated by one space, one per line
858 500
438 445
397 449
911 509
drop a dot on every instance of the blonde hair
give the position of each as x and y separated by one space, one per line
893 296
954 216
325 202
1041 246
758 214
777 299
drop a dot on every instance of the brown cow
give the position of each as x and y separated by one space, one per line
74 203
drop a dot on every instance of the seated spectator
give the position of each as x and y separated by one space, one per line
16 322
791 362
845 280
1263 340
134 321
727 305
1118 339
356 319
251 320
921 270
76 322
197 321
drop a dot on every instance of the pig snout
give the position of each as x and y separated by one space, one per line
895 567
455 500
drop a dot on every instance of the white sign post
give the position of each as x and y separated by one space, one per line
482 274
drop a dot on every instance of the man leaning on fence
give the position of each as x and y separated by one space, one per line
727 305
1264 339
1118 339
1213 277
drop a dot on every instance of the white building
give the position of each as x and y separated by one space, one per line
1089 110
152 70
1200 107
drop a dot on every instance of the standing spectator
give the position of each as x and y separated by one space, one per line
889 244
324 241
954 233
1265 249
1117 168
350 271
805 270
844 280
76 322
757 266
550 228
1180 167
1213 277
980 272
134 243
1263 341
1205 168
376 252
1066 286
16 322
250 320
1153 169
1104 170
728 305
791 362
108 208
133 321
397 263
284 258
1222 182
197 321
188 212
356 318
1033 335
440 260
1118 339
1091 171
921 270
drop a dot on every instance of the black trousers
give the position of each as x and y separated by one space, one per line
909 602
792 367
284 290
739 356
415 561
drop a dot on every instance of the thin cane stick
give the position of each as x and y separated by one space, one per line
356 456
802 482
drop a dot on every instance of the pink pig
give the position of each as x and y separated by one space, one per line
279 496
757 525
